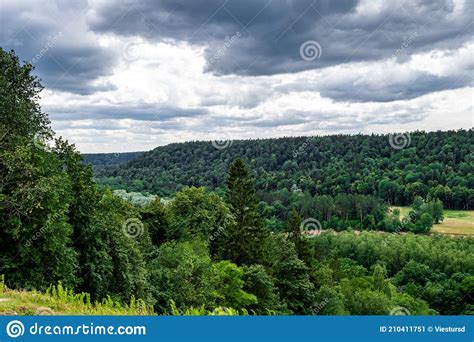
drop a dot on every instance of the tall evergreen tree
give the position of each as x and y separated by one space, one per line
244 238
302 245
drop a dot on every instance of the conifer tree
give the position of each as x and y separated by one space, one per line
302 245
245 236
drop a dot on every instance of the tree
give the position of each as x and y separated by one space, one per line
225 283
177 273
259 283
35 192
329 301
85 201
20 113
116 250
195 213
35 236
243 240
302 245
184 273
290 273
435 209
423 224
156 218
420 216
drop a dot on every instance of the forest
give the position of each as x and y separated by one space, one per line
227 237
432 164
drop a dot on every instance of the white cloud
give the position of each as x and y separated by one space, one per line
144 79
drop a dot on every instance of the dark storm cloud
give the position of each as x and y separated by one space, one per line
140 112
271 32
51 36
243 37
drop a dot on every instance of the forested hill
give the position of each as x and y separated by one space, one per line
437 164
99 160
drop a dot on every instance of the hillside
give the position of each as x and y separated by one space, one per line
99 160
438 164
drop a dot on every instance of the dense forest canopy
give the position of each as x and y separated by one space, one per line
99 160
202 250
436 164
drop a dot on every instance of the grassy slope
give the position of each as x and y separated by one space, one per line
458 222
61 302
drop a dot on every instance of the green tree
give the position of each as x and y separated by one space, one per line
435 209
329 301
177 273
20 113
225 283
290 273
302 244
197 213
116 256
156 218
35 192
259 283
35 237
243 240
85 201
423 224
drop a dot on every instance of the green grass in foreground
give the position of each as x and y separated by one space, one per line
456 222
61 301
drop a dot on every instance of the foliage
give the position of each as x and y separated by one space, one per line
195 213
259 283
138 199
185 274
236 251
435 164
413 264
290 273
243 240
302 244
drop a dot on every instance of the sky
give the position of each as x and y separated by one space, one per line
133 75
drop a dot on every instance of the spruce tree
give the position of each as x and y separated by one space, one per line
245 236
302 245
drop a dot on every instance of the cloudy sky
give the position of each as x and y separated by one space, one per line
132 75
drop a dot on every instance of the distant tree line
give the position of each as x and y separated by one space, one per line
434 165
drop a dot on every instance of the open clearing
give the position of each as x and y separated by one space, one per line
456 222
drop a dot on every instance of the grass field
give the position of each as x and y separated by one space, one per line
456 222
